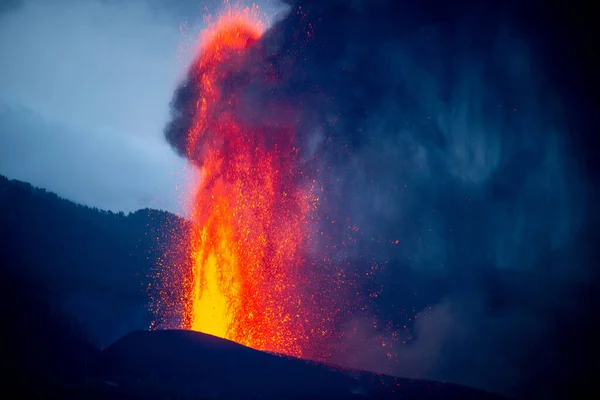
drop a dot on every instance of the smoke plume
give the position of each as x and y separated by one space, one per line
438 140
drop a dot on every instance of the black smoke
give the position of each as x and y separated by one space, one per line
446 140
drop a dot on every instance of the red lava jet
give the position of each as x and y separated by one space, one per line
249 211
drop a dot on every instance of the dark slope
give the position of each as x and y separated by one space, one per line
203 365
95 263
40 343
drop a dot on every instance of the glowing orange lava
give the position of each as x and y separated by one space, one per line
249 212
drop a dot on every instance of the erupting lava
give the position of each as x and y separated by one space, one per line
249 210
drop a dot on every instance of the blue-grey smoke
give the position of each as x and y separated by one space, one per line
439 139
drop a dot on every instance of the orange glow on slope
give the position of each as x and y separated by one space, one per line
249 212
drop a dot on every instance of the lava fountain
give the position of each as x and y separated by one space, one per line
249 210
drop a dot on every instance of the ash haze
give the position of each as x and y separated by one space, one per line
84 94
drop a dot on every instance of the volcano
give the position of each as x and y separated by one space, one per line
204 366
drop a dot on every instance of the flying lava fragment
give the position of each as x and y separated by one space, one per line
249 211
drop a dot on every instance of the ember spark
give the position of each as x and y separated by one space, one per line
249 213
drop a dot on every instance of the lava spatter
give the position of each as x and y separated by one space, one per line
249 212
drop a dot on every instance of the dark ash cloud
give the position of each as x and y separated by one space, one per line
440 138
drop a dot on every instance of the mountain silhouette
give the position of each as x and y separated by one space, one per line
97 265
73 280
176 361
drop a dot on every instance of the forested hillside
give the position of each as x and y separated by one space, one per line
92 264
